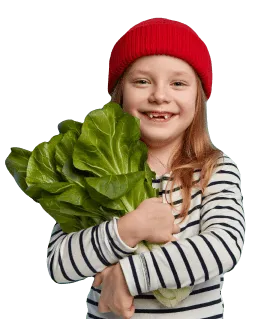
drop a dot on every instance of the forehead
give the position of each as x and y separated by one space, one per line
149 71
155 64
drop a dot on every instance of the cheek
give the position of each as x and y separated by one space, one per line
187 115
127 108
134 95
188 103
131 103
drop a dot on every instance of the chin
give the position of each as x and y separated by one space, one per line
155 140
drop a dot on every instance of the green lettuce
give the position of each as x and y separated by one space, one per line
89 173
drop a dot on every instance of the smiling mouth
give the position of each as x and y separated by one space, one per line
159 119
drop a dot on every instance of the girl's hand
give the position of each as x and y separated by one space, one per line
155 221
115 295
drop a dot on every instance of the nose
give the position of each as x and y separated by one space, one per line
160 94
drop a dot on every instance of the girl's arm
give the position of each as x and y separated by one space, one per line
78 255
191 261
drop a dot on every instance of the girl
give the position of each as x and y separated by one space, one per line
160 71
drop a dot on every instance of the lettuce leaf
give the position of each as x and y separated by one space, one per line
109 147
17 163
109 143
41 165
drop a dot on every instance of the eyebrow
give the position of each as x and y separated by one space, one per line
147 72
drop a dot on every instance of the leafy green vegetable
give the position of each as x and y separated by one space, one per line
109 147
17 163
89 173
41 165
109 143
70 125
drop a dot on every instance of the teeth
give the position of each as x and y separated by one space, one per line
165 116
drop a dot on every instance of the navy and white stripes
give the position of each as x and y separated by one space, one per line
209 245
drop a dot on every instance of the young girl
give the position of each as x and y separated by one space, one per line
161 67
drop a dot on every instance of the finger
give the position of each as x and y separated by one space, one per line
103 308
172 238
128 314
125 313
176 229
132 308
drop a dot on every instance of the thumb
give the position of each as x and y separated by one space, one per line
97 281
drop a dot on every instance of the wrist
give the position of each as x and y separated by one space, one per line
127 229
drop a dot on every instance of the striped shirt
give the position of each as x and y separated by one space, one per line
209 244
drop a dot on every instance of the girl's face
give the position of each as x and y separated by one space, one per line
152 84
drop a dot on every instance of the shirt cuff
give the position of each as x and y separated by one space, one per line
119 242
135 273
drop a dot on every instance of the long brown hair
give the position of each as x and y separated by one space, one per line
195 153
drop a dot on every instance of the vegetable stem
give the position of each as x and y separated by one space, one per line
126 204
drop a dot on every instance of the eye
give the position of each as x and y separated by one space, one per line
180 82
140 81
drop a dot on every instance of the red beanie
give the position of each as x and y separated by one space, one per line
160 36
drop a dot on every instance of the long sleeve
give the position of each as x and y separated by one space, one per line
215 250
78 255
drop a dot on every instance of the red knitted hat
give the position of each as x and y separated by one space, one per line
160 36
